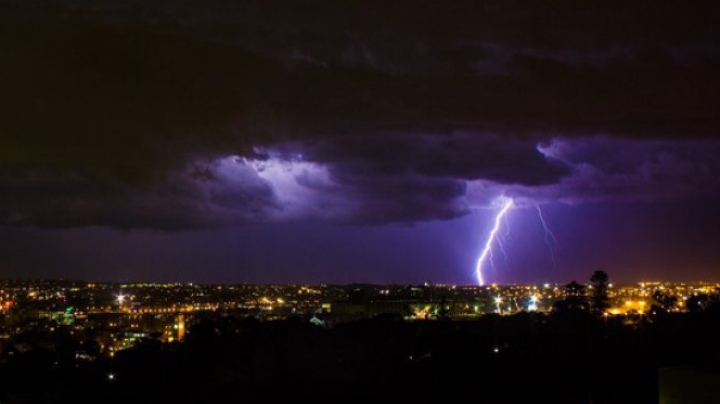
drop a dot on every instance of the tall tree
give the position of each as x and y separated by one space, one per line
600 285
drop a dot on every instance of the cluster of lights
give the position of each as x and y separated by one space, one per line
498 304
533 303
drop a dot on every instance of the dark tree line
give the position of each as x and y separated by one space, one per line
577 298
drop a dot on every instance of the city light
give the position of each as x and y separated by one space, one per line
498 302
533 303
171 310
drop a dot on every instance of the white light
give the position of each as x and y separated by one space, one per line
111 376
121 298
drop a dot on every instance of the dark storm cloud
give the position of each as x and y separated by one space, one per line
107 109
402 198
621 169
459 156
184 201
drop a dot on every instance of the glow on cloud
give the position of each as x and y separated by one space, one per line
301 189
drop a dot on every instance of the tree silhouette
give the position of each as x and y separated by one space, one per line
574 298
443 312
600 284
574 289
697 303
666 301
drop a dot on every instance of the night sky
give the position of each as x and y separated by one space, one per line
358 141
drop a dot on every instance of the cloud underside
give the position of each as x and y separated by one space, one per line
194 115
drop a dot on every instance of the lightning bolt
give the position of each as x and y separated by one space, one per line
550 239
501 244
487 250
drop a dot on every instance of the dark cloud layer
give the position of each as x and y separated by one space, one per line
630 170
125 113
459 156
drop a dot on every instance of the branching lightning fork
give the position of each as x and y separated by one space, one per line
496 239
487 251
550 239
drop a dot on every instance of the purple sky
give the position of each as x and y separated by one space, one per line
305 141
